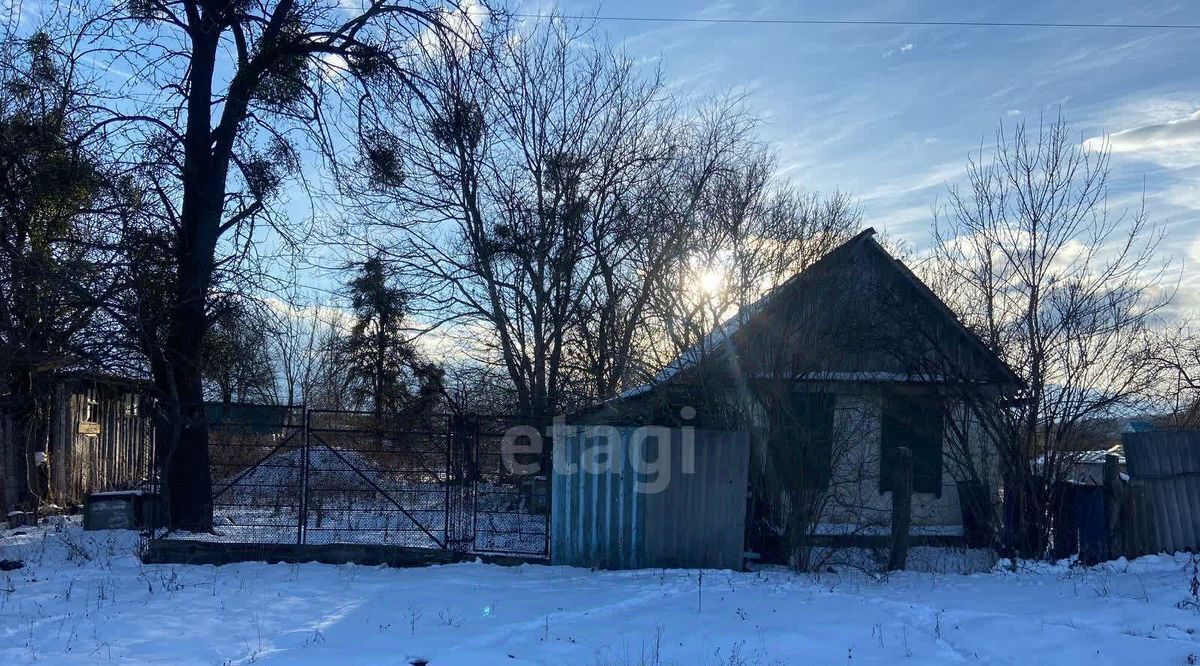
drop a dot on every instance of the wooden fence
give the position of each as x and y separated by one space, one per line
1161 508
100 439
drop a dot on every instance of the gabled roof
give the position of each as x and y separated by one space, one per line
1004 370
721 340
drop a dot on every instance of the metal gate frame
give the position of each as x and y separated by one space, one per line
485 509
311 434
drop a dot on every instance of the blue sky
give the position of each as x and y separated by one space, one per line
890 114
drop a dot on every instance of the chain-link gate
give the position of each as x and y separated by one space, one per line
289 475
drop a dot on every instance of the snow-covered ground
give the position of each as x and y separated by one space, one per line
83 597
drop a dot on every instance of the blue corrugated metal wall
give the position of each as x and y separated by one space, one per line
605 520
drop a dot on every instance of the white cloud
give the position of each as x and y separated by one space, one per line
461 28
332 68
1173 143
907 222
1184 195
906 48
935 177
1193 254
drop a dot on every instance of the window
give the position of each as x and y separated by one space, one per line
916 422
808 432
91 411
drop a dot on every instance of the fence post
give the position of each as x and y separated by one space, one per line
901 508
1113 498
302 518
453 515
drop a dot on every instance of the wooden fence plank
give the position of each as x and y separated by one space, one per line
1167 506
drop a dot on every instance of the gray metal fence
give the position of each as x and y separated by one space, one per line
336 477
1164 492
651 498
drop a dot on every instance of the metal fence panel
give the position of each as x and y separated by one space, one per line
615 517
375 482
257 479
1164 471
325 477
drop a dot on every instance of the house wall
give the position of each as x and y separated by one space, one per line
99 439
853 503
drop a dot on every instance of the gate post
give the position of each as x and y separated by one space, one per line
1114 495
302 518
470 441
456 483
449 481
461 449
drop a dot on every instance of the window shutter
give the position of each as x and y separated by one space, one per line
819 445
916 422
809 425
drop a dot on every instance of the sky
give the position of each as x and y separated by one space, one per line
890 114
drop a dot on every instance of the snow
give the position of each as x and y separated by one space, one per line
84 598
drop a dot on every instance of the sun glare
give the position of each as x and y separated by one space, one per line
711 281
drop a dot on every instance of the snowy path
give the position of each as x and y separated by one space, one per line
83 598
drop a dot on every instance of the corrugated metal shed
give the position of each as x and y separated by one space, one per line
618 503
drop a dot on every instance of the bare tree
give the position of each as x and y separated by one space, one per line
294 347
750 231
510 190
236 365
58 197
1060 287
1176 394
329 386
225 101
651 233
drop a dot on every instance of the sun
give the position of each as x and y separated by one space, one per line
711 281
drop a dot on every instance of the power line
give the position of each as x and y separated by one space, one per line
868 22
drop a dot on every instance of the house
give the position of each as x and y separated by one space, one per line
831 372
1087 467
99 438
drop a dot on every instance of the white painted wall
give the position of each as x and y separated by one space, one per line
854 503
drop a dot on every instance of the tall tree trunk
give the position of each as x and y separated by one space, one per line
184 431
31 426
185 468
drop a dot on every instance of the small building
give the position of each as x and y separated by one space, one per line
100 438
830 373
1087 467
